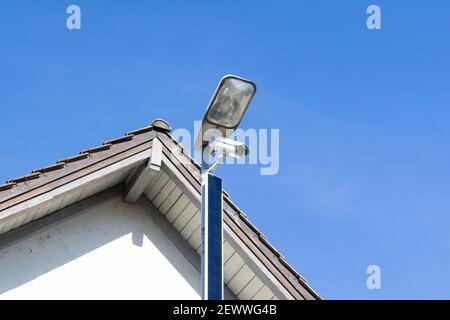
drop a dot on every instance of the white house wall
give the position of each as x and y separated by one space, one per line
110 251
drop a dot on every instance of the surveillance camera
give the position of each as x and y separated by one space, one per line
229 148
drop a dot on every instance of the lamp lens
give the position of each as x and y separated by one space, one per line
231 102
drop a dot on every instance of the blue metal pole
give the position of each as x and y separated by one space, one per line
212 236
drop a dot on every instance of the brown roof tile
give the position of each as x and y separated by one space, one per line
74 158
119 140
26 178
97 149
49 168
7 186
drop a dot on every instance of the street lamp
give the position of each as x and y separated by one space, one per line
223 115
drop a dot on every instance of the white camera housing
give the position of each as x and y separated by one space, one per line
228 147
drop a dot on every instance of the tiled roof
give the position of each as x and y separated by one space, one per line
13 189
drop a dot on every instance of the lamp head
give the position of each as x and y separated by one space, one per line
226 108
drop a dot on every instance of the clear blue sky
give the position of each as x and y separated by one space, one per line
363 116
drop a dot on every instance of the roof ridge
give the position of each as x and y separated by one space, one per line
157 124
